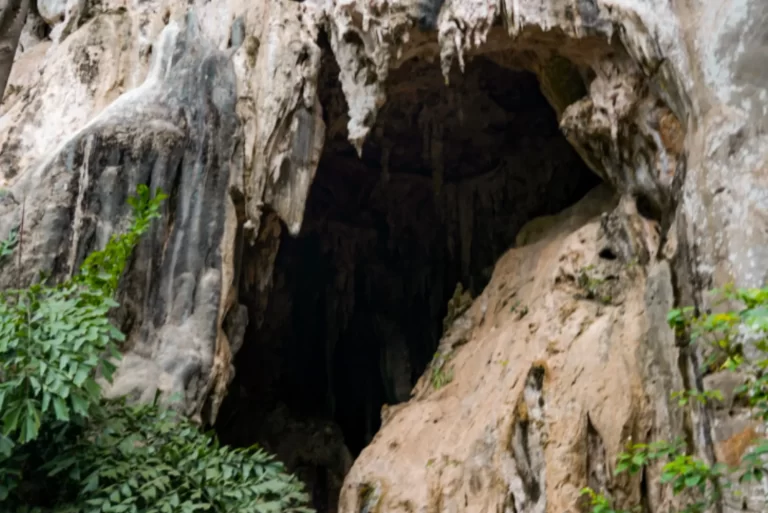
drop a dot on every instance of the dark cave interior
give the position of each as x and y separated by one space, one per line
446 180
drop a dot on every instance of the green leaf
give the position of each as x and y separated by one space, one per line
35 383
80 377
11 418
692 481
6 446
116 334
104 454
667 477
79 405
31 425
60 409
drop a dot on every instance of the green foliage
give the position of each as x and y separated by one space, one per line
101 270
51 340
684 473
143 458
440 372
722 336
600 503
594 288
7 246
63 448
702 397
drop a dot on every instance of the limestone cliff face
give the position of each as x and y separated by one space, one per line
219 103
563 361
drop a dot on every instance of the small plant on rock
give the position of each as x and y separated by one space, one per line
7 246
457 305
441 373
592 287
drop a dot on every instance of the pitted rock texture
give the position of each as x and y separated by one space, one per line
666 101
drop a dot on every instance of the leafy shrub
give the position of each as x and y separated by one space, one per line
723 337
63 448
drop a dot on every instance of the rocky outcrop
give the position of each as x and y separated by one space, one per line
86 119
175 132
563 363
219 103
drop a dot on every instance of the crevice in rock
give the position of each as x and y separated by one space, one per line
351 314
645 506
527 443
597 478
687 287
511 507
683 363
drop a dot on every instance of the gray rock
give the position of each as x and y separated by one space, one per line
176 132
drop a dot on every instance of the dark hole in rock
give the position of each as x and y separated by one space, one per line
645 503
511 507
535 379
596 461
647 208
607 254
357 302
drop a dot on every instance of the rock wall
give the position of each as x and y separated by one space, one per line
562 360
217 102
174 132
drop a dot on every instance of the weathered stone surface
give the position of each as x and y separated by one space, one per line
85 119
176 132
544 393
13 13
665 101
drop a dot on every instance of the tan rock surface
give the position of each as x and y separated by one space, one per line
545 393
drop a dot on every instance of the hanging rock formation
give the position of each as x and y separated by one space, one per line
219 104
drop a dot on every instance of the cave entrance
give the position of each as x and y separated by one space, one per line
447 178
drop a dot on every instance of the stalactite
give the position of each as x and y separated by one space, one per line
385 154
466 224
425 125
436 157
